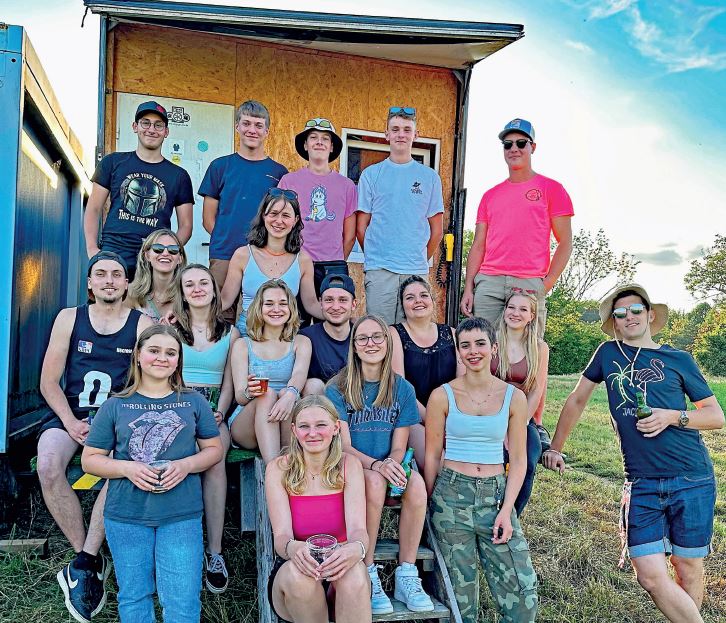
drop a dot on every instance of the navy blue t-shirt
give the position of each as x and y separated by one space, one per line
666 376
329 355
239 185
143 197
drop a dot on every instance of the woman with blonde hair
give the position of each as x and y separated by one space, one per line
522 360
274 251
206 342
315 488
269 369
159 263
377 407
162 435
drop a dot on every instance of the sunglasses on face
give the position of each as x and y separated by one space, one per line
635 309
322 123
146 124
158 248
406 110
276 193
520 142
376 338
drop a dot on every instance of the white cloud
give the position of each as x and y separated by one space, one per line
601 10
579 46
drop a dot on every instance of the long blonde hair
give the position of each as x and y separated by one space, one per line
256 321
530 340
176 381
350 379
143 283
294 469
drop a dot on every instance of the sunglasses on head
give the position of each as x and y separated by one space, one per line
635 308
521 291
276 193
322 123
520 142
376 338
406 110
159 248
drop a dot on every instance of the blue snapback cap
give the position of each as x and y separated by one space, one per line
518 125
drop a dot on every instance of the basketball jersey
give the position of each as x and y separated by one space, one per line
97 364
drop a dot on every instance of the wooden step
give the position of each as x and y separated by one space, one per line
401 613
387 551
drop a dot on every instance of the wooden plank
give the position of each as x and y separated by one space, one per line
387 551
265 548
247 496
441 582
401 613
17 546
81 481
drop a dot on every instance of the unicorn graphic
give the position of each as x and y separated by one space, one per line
318 206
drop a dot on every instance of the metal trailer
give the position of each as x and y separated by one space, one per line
43 186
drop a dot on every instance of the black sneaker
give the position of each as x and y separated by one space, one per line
84 590
216 576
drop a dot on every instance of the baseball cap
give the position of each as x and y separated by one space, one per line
318 123
107 255
335 280
606 308
154 107
518 125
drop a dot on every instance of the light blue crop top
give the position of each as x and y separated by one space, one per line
278 371
253 278
476 438
206 367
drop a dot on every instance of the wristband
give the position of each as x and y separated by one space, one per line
374 462
246 394
286 546
362 549
292 388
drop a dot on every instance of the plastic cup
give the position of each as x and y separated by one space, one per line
159 467
321 546
264 383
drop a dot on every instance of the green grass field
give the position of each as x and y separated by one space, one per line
571 524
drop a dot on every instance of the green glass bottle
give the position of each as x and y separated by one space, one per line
644 410
393 490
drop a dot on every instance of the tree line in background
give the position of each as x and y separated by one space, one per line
573 324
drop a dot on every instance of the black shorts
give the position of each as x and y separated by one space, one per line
52 421
271 580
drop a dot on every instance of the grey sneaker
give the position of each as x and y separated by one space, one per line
409 589
380 603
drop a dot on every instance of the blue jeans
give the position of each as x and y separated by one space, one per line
672 515
534 453
167 559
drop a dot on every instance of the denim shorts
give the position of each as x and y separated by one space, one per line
672 516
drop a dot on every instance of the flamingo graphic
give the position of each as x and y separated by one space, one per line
651 374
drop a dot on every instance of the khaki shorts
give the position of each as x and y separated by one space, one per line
490 292
382 294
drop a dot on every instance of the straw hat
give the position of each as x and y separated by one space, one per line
606 308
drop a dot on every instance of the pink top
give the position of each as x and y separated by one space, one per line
319 514
325 202
519 221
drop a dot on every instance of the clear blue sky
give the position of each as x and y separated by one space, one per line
627 98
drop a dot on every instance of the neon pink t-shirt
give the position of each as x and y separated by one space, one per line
519 222
325 202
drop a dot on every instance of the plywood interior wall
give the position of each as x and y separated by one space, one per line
295 84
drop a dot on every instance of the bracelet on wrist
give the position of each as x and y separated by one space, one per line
374 462
553 451
362 549
287 555
295 390
246 394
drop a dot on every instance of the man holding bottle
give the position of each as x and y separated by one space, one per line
670 489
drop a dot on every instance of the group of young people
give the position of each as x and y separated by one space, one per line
165 368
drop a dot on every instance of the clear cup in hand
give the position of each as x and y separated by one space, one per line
159 467
321 546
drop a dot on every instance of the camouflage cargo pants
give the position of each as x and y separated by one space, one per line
463 510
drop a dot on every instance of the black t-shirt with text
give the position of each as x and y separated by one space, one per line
143 197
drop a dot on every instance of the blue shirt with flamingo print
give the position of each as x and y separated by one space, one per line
666 376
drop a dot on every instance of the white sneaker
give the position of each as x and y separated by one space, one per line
380 603
409 589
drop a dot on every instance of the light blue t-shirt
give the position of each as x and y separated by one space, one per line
371 428
400 199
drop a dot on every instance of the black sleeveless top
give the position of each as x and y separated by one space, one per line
97 364
428 368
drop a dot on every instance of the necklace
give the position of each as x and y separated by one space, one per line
201 329
479 404
314 476
274 254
